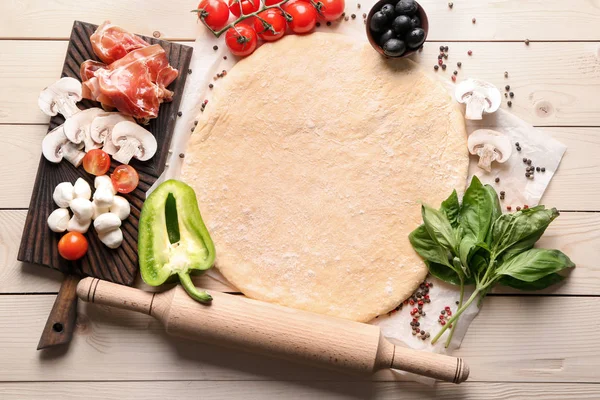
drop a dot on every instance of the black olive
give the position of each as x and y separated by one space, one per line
415 22
387 35
394 48
415 38
388 11
401 24
379 22
406 7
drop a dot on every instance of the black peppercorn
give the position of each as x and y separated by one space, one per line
511 94
507 87
436 67
524 159
210 86
179 114
215 47
538 169
543 169
444 67
518 148
441 48
502 193
509 103
459 64
527 175
446 48
440 56
328 23
181 155
517 144
529 161
353 16
455 72
497 180
189 71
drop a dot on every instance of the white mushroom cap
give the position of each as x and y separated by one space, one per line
490 146
63 194
82 189
107 222
59 220
479 96
61 97
77 225
112 239
102 127
120 207
132 141
77 127
57 146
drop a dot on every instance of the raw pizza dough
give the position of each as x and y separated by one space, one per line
310 165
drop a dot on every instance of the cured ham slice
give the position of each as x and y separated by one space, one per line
111 43
135 83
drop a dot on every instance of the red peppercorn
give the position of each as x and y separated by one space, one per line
450 326
412 302
426 284
525 207
508 208
426 297
405 302
470 52
415 320
453 78
420 302
443 322
447 308
440 62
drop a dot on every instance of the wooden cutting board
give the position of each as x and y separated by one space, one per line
39 245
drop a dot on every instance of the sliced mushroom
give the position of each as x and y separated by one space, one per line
490 146
61 97
59 220
479 96
132 141
57 146
77 127
102 127
63 194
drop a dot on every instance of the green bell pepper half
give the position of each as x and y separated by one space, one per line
172 238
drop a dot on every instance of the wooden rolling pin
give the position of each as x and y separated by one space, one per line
269 329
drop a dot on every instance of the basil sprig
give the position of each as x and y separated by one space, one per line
473 243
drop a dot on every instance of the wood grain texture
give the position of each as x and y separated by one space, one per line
496 19
521 339
61 321
577 234
39 244
554 83
192 390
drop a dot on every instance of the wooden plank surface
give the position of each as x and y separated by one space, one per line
183 390
554 83
572 187
496 19
518 339
577 234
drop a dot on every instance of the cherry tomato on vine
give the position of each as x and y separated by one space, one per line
214 12
241 40
304 16
273 2
239 7
330 10
277 22
96 162
72 246
125 179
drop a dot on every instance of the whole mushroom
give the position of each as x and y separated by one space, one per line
490 146
479 96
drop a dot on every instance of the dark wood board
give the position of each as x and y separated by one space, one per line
39 245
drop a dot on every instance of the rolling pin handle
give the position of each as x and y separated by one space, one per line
433 365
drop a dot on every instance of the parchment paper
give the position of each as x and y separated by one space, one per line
536 145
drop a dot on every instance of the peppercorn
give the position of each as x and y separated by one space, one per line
364 14
443 312
427 335
224 57
455 72
353 16
443 322
527 175
179 113
436 67
538 169
507 87
473 20
358 5
210 86
470 52
527 42
511 94
328 23
517 144
529 161
181 155
346 18
195 123
506 74
518 148
502 193
444 67
440 56
524 159
506 95
189 71
518 208
453 78
215 47
525 207
457 303
446 49
450 4
441 48
430 284
459 64
497 180
508 208
543 169
509 103
414 333
445 56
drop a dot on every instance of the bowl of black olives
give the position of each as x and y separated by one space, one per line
397 28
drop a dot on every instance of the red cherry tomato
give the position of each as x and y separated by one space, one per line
72 246
96 162
272 2
278 24
125 178
241 40
304 16
214 12
239 7
330 10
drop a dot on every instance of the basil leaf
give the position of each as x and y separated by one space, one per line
427 248
443 273
451 208
466 249
540 284
439 228
518 232
496 210
534 264
476 211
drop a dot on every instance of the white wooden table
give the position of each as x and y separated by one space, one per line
521 345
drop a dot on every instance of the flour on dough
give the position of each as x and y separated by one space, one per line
310 165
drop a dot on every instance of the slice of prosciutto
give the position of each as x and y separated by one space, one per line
135 84
111 43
